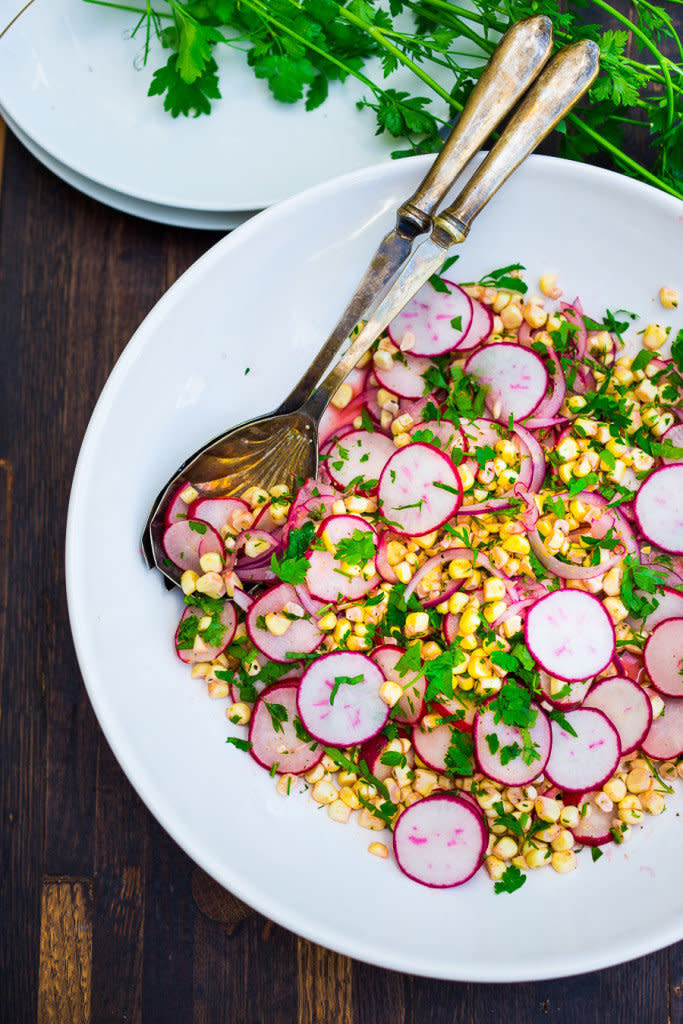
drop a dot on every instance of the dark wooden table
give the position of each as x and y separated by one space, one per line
102 917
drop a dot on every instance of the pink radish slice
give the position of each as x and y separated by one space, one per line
274 742
480 327
302 636
459 707
432 746
359 456
675 436
663 657
177 509
419 489
665 737
264 520
659 510
310 604
440 841
437 321
404 378
339 699
385 570
587 760
371 752
515 772
626 705
218 512
570 635
481 433
569 695
181 542
411 705
515 378
670 606
325 577
206 652
594 828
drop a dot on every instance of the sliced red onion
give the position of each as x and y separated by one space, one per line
573 313
550 406
536 455
443 556
242 599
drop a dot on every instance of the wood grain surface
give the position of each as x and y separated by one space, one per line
103 918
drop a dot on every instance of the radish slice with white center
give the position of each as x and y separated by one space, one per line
490 734
329 577
435 322
440 841
658 508
665 737
562 694
219 512
339 701
273 734
191 650
663 657
432 746
419 489
176 511
404 378
181 542
595 827
570 635
670 606
481 326
444 435
359 456
626 705
301 637
675 436
588 759
515 379
410 706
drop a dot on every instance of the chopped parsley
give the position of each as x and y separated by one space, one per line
511 880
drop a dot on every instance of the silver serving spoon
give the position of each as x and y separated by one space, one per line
284 446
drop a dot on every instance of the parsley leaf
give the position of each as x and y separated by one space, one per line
511 880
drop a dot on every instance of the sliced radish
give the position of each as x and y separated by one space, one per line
384 568
588 759
339 699
561 693
264 520
669 606
570 634
432 746
481 326
219 512
461 707
488 733
177 508
663 657
515 379
419 489
411 705
658 508
626 705
404 378
443 434
675 436
273 734
435 322
371 752
440 841
326 577
594 828
301 637
665 737
181 542
200 649
309 603
359 458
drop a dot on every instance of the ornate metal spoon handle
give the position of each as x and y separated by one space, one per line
557 90
514 65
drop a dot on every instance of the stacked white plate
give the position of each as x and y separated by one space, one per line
73 89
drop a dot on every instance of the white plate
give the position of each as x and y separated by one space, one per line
69 80
173 215
263 298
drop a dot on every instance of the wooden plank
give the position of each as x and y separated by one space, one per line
675 983
325 985
380 996
65 971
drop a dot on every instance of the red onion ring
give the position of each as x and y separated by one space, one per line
448 555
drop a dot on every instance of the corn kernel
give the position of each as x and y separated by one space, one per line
516 545
401 440
548 285
652 801
495 868
404 572
338 811
212 584
615 608
549 833
277 624
615 790
383 360
327 622
547 809
563 861
638 780
342 631
466 476
654 337
188 581
645 392
324 792
459 568
342 396
378 850
494 611
286 784
469 622
238 713
668 298
211 562
569 817
358 643
564 840
390 693
349 797
630 810
537 855
456 602
566 472
506 848
416 624
511 316
367 819
314 774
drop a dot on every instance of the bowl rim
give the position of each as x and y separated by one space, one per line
624 948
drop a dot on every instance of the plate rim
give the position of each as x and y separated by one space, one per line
620 951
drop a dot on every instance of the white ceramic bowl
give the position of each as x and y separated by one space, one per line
263 299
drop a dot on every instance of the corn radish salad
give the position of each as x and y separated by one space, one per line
469 629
